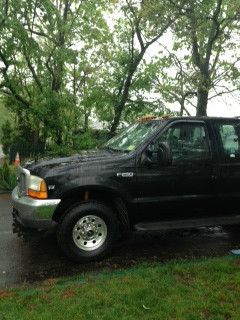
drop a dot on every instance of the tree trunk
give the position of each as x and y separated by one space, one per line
59 138
86 117
181 107
126 87
202 102
116 121
202 94
36 136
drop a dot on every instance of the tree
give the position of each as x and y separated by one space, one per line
173 80
38 60
147 21
210 28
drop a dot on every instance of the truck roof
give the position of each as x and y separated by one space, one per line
205 118
166 118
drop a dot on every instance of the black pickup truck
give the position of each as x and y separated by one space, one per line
157 174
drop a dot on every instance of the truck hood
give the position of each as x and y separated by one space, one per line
42 166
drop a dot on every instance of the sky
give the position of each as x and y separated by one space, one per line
227 105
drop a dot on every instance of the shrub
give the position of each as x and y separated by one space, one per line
102 136
81 141
90 139
7 133
25 149
8 179
85 141
59 151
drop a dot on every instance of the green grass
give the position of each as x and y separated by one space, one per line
207 289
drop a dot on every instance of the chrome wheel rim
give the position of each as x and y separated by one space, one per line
89 233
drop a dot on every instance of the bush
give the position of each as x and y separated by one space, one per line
59 151
85 141
81 141
25 149
102 136
90 139
7 133
8 179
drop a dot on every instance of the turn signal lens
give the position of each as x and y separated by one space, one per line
37 188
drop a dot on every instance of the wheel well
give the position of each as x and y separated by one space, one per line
114 201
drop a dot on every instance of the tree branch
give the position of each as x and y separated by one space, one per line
228 91
187 112
139 35
195 47
190 102
8 83
214 32
39 33
170 22
31 68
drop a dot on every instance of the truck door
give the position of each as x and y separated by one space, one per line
183 188
228 136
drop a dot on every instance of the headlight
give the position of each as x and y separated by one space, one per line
37 188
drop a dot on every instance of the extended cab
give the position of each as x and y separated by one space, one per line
157 174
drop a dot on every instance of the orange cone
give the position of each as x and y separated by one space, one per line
17 160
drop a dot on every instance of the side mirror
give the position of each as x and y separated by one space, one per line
146 158
164 154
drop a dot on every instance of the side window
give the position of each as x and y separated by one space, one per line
187 141
229 135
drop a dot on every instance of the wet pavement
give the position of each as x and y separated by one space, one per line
22 262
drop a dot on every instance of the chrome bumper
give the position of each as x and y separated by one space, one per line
34 213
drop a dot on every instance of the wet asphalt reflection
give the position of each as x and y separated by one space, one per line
22 262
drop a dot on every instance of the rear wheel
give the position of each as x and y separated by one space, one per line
87 231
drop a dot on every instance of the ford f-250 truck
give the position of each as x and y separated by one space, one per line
157 174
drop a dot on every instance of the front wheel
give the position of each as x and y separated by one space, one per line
87 231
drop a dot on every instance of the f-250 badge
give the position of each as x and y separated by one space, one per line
125 174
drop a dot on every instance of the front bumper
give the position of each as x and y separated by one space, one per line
33 213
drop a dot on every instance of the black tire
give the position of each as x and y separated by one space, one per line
68 222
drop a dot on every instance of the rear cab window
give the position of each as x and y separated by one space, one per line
228 133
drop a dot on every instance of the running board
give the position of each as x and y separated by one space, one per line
185 224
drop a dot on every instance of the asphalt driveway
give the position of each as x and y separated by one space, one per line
41 259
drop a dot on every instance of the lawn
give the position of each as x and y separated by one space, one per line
206 289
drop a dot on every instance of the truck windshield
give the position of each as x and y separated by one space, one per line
130 138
